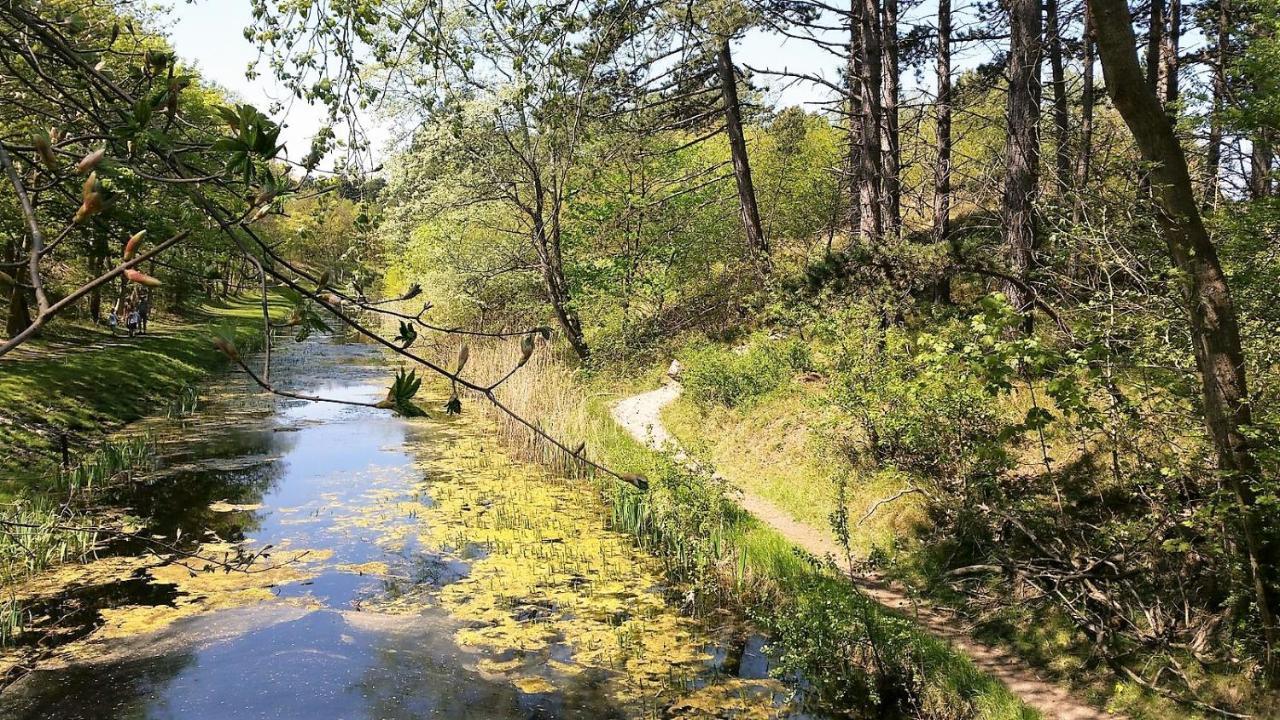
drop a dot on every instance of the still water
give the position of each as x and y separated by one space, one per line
408 569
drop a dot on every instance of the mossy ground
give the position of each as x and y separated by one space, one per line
85 383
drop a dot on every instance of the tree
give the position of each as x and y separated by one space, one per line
1022 149
1214 326
757 243
942 171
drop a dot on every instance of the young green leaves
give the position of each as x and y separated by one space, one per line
401 393
254 137
407 335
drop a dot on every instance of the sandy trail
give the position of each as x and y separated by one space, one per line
640 415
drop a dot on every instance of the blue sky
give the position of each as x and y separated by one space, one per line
209 35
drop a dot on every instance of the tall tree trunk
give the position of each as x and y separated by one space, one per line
97 265
19 317
757 244
854 108
1155 31
1084 159
1213 160
1022 148
547 246
1170 46
942 171
1061 113
871 165
1260 165
1214 326
889 107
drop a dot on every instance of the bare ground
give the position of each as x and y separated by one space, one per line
640 415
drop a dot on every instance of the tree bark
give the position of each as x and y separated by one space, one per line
1170 45
892 156
1061 113
1260 165
757 243
1022 149
942 170
19 317
854 118
871 167
1213 159
97 266
1084 159
1155 29
547 246
1214 326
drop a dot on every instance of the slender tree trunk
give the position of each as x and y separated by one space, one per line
1155 31
19 317
1213 160
757 244
1061 113
1260 165
557 287
1084 160
1214 326
95 297
889 107
871 165
1170 45
855 119
1022 148
942 171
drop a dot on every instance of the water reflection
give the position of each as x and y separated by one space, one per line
345 483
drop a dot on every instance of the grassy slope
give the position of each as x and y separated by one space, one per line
773 560
86 383
771 447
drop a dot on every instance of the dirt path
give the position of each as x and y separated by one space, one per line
640 416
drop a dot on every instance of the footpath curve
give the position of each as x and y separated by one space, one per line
640 415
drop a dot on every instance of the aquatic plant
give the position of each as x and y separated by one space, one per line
37 534
113 461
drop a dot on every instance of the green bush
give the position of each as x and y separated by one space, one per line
719 375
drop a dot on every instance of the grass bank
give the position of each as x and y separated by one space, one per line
785 439
86 384
852 653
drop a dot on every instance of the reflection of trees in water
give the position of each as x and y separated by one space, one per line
92 692
181 500
423 674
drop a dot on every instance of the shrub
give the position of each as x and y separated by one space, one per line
718 375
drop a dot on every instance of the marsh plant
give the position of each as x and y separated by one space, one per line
38 534
114 461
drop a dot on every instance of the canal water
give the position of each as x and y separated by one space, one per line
394 568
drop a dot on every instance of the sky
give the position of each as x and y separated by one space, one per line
209 35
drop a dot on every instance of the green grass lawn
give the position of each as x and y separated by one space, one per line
85 383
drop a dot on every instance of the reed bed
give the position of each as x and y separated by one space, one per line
112 462
34 536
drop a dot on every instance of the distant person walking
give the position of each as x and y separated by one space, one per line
144 313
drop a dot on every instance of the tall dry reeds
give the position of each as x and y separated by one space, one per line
546 391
